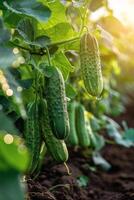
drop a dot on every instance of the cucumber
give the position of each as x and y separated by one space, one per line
72 138
32 135
91 65
92 137
57 104
83 135
57 148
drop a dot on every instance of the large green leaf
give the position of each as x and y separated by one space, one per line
10 186
60 32
30 8
58 13
13 151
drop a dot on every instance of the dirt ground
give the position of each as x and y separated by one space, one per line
54 183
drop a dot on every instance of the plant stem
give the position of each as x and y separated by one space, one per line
48 56
59 185
40 52
27 49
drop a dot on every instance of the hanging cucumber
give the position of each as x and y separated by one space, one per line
57 104
32 135
57 148
91 65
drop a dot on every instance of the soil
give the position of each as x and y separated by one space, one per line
53 182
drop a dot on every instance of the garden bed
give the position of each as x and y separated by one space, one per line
117 184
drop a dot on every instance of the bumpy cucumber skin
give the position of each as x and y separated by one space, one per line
83 135
91 65
72 138
32 135
57 104
57 148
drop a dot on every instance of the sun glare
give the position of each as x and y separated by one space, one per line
123 10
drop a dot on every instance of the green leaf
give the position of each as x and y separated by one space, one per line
129 135
95 124
13 151
5 53
100 142
42 41
70 91
100 161
4 33
12 19
82 181
60 32
26 84
113 131
10 186
7 124
58 13
26 29
60 60
32 9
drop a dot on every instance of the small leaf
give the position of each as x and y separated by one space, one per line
82 181
100 142
100 161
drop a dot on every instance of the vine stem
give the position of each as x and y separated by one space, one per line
40 52
27 49
48 56
69 173
83 20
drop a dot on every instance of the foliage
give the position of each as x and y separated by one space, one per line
35 35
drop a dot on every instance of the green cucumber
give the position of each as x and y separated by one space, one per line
32 135
57 104
72 138
83 136
91 65
57 148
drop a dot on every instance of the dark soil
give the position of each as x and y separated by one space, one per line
54 183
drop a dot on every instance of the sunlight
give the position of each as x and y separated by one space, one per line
123 10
